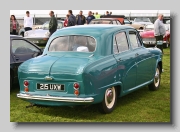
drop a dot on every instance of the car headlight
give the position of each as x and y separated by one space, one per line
25 34
47 34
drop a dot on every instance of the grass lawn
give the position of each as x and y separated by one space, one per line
140 106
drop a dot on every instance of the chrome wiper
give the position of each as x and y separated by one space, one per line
91 55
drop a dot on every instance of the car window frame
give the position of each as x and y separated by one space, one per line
127 20
72 51
114 40
137 36
119 22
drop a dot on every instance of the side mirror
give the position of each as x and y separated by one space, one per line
130 22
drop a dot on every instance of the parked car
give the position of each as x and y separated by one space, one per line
90 64
41 36
106 21
149 39
142 20
20 51
137 26
125 21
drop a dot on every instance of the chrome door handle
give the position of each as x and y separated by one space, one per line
136 54
119 59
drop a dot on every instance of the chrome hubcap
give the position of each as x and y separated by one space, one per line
110 97
156 78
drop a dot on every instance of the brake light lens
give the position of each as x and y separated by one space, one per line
76 85
26 83
76 88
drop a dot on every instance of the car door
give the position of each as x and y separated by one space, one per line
126 70
22 50
143 58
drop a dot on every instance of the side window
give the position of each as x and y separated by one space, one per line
121 41
114 22
134 40
23 47
118 23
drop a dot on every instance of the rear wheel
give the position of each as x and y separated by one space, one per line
156 82
109 102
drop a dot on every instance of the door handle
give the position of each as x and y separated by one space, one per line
119 59
17 58
136 54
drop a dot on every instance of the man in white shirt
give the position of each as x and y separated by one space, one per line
159 30
28 21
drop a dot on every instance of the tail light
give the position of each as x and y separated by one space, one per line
76 85
76 88
26 84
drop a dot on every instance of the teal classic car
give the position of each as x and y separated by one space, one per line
90 64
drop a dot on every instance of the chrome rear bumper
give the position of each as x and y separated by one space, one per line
52 98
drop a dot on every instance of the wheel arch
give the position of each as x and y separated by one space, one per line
160 65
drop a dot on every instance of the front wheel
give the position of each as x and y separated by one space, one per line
109 102
156 82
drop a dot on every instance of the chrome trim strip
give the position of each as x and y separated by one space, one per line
60 99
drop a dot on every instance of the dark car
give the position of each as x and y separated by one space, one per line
106 21
20 51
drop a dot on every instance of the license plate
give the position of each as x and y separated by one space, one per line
55 87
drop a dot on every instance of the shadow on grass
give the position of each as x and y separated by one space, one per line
80 112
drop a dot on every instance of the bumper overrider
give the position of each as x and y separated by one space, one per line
59 99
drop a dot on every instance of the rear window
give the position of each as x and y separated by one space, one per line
74 43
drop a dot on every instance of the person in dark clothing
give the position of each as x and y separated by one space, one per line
107 13
71 19
159 31
53 23
80 18
90 17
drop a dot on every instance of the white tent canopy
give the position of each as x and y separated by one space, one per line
85 12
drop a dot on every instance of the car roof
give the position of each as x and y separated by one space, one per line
57 20
91 30
112 16
106 19
15 36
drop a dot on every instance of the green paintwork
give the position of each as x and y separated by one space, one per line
94 73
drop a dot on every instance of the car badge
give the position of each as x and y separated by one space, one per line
48 78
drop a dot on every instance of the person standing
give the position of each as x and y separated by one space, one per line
52 23
28 21
97 16
159 30
71 19
89 17
80 18
107 13
66 20
14 25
